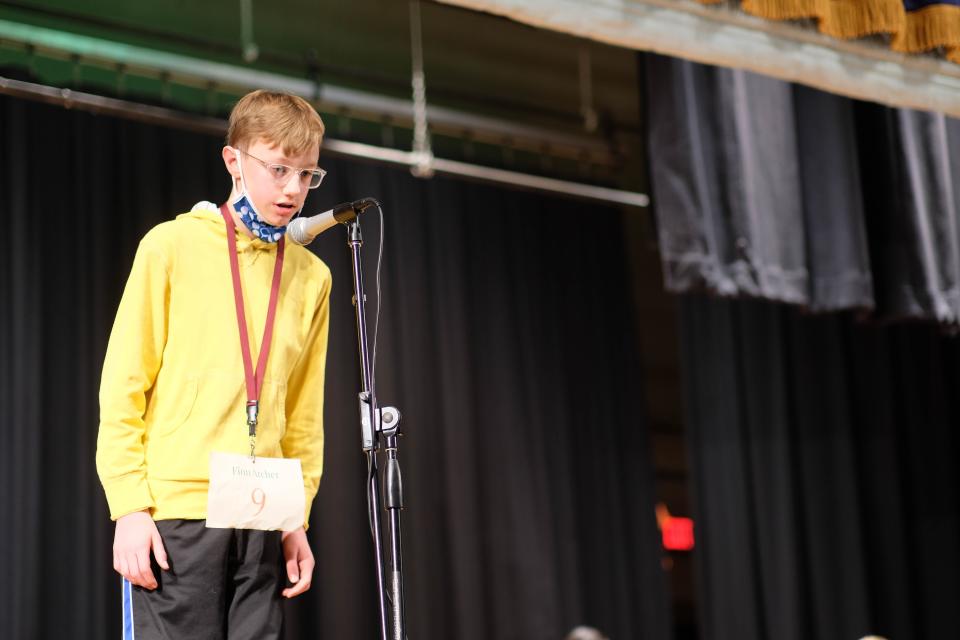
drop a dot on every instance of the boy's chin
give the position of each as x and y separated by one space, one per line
278 216
277 220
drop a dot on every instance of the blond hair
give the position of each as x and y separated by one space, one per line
282 119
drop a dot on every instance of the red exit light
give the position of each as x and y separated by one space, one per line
677 533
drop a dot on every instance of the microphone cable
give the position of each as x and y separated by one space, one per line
376 321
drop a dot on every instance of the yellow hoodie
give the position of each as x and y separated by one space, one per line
173 387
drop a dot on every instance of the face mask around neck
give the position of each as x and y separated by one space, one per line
249 215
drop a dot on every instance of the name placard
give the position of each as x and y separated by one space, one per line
263 493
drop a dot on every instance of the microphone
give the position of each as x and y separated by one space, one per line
302 231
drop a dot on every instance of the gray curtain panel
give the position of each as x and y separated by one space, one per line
913 159
773 190
823 467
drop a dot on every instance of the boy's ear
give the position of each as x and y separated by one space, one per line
230 162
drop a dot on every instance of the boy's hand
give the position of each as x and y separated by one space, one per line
300 563
135 534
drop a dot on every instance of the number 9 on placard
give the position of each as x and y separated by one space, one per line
259 498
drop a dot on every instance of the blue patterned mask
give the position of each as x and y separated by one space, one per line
252 220
251 217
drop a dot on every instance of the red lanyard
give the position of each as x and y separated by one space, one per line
254 381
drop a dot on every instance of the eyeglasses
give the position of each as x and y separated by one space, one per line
309 178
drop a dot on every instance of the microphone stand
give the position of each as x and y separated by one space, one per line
379 429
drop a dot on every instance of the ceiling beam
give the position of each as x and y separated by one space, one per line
216 126
328 98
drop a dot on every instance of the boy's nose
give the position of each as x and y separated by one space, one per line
293 187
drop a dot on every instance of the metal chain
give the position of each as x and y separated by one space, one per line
250 49
587 110
423 165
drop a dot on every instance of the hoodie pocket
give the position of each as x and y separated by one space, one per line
173 408
212 418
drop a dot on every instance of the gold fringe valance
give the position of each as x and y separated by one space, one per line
935 26
932 27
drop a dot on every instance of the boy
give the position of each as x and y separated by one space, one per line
190 410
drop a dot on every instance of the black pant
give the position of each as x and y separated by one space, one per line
222 584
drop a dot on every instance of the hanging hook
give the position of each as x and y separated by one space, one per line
210 98
76 70
121 79
590 119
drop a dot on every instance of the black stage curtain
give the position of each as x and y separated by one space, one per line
824 457
768 189
506 342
